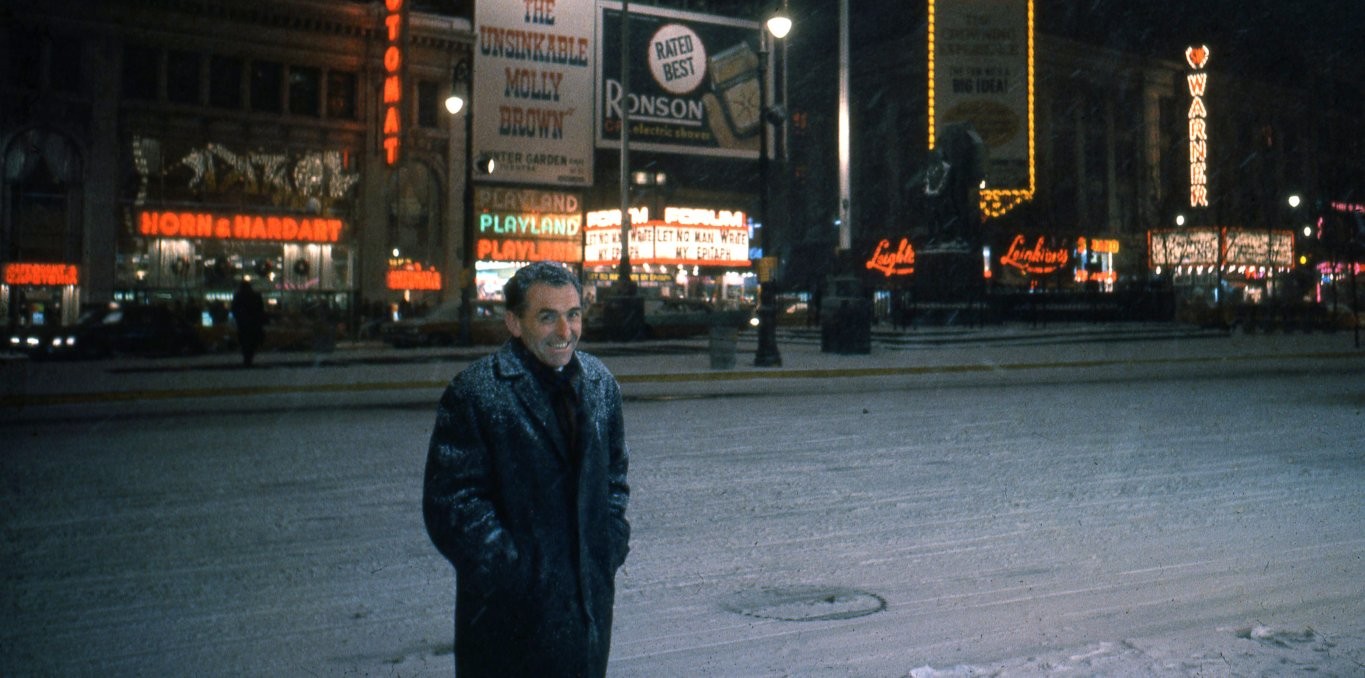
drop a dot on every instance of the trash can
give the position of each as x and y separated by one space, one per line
723 340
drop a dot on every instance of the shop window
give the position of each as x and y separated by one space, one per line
25 58
140 70
429 104
305 91
182 77
225 82
64 66
341 95
267 78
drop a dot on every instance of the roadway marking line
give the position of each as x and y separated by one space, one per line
37 400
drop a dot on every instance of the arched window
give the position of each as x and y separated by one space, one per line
414 208
42 169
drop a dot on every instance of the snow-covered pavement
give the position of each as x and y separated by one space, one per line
1009 502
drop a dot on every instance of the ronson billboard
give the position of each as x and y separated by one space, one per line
693 86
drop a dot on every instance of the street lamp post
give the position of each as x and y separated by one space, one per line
460 99
1293 201
767 354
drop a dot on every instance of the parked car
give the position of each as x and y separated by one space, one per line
108 330
672 319
441 326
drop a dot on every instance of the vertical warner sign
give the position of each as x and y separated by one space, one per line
533 70
981 72
1198 79
391 98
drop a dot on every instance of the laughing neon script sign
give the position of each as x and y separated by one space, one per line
900 261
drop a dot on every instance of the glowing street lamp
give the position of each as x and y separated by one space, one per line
458 101
767 354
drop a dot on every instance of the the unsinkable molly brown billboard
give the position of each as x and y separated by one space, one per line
693 87
533 85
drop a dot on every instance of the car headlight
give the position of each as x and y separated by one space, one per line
71 340
14 340
56 342
31 341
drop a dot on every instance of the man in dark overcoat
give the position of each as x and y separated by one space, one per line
526 493
248 310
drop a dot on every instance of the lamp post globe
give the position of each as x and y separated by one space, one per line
767 354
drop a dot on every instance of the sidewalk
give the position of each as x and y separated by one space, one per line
371 366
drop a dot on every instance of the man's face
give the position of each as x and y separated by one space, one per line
551 323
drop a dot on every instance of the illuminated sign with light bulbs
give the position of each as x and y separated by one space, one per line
981 71
1197 79
685 236
391 99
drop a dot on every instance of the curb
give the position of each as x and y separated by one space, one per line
41 400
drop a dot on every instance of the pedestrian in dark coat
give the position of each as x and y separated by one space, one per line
248 310
525 492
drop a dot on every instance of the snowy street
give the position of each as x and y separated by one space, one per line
1177 514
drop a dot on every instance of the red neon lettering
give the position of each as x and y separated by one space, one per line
34 274
207 225
898 262
1037 260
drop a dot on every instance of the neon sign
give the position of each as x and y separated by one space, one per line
1036 260
522 249
687 236
218 226
391 100
900 261
36 275
1197 57
1098 245
413 277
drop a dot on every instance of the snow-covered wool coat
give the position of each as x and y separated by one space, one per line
535 548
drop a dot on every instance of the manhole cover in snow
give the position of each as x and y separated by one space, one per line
805 603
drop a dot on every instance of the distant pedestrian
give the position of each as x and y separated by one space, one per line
525 491
248 310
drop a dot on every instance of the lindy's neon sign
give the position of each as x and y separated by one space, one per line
214 226
41 274
900 261
1197 57
392 98
1036 260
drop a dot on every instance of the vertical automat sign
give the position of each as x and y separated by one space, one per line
981 72
392 102
694 84
1197 79
533 70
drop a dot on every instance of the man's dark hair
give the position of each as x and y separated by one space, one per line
541 272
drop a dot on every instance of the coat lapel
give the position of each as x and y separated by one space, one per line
533 399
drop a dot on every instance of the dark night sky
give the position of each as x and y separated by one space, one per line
1280 37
